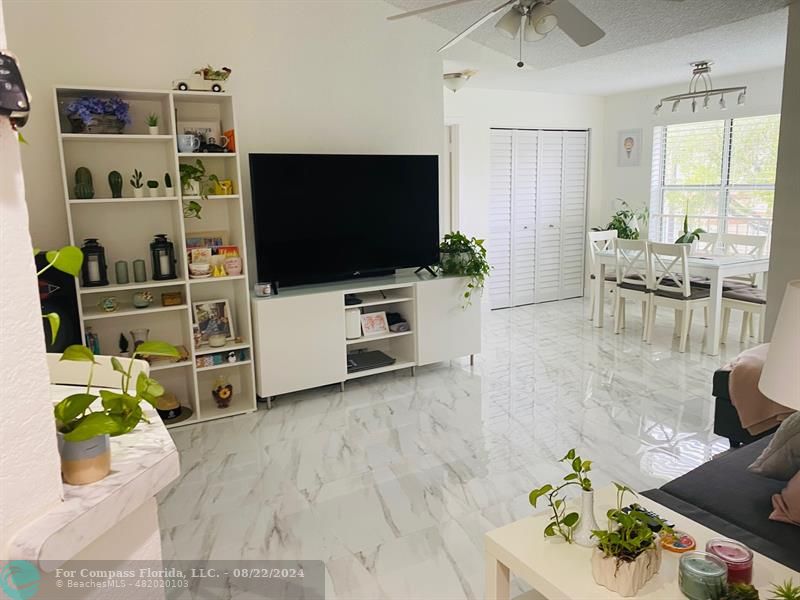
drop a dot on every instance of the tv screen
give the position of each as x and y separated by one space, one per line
322 217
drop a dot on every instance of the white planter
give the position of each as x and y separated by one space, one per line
192 188
169 192
153 130
153 192
138 192
587 523
625 578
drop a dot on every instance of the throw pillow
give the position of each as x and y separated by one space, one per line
781 459
787 503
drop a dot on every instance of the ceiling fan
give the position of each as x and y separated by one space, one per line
535 18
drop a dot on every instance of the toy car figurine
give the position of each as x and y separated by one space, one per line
206 79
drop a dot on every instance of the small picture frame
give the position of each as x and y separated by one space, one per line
374 323
211 317
629 147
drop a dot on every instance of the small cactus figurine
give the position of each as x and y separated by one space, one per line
115 183
83 184
167 181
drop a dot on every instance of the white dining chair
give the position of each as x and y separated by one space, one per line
599 241
734 244
633 271
753 303
70 372
672 287
707 243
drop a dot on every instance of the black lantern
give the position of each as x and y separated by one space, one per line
93 270
162 253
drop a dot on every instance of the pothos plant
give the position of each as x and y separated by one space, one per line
121 411
195 173
629 531
460 255
69 260
562 523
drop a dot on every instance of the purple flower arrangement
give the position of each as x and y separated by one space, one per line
88 107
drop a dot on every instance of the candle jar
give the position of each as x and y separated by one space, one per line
702 576
737 557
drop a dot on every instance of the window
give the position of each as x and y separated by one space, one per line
720 173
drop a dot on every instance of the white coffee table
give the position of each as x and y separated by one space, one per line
556 569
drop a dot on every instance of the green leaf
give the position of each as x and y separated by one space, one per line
570 455
130 421
570 477
112 401
571 519
94 424
550 530
148 388
68 259
72 406
586 465
156 349
576 464
55 323
78 353
534 496
118 365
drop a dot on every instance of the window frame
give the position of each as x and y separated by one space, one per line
658 219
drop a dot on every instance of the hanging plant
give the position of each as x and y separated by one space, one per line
466 257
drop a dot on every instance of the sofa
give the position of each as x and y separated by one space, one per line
724 496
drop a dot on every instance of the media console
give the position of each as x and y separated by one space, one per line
300 341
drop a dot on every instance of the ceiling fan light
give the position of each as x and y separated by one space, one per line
543 19
675 105
510 23
455 81
740 100
531 35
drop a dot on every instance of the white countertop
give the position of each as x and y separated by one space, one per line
143 462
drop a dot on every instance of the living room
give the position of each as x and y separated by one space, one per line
269 394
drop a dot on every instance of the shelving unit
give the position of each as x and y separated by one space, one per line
126 226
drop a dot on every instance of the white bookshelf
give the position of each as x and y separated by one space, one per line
126 226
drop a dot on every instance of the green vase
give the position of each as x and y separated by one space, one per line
83 184
115 183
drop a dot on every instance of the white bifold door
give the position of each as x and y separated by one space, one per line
537 215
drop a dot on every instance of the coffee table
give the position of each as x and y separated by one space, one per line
558 570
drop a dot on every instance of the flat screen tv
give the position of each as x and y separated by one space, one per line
325 217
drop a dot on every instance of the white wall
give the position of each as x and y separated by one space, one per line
784 264
635 111
477 110
30 477
311 76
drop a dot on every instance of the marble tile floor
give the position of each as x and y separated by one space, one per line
394 482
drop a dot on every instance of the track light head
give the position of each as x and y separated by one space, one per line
705 101
722 102
657 109
675 105
740 100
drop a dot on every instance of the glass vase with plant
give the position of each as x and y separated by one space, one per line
460 255
83 431
626 221
194 182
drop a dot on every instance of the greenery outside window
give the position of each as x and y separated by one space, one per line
722 173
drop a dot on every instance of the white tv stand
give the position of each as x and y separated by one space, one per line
299 335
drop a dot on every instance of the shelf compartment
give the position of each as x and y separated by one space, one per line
379 301
124 200
115 137
239 375
218 279
395 367
203 350
223 366
94 313
383 336
143 285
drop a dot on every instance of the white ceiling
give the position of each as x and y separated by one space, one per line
648 43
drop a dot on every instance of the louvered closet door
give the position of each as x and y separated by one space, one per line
547 284
498 243
573 213
523 217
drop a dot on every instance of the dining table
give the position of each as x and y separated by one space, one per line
716 268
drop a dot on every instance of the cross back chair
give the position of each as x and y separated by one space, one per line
599 241
632 265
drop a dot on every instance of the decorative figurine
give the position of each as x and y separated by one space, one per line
123 345
206 79
142 299
222 392
115 183
108 304
84 190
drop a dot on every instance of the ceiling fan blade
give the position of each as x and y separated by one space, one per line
419 11
475 25
575 24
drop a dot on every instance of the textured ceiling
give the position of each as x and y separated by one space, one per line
628 24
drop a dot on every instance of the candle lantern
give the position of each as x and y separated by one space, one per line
93 270
162 253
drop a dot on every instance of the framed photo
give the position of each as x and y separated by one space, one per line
203 239
202 129
200 255
629 147
374 323
213 316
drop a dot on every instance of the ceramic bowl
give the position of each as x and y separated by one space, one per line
200 268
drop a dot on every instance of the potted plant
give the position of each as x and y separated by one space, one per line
786 591
463 256
571 526
136 182
168 189
628 552
152 123
194 182
91 114
152 188
626 221
83 433
689 237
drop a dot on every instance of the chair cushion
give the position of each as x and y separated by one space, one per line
696 294
727 284
746 294
639 287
